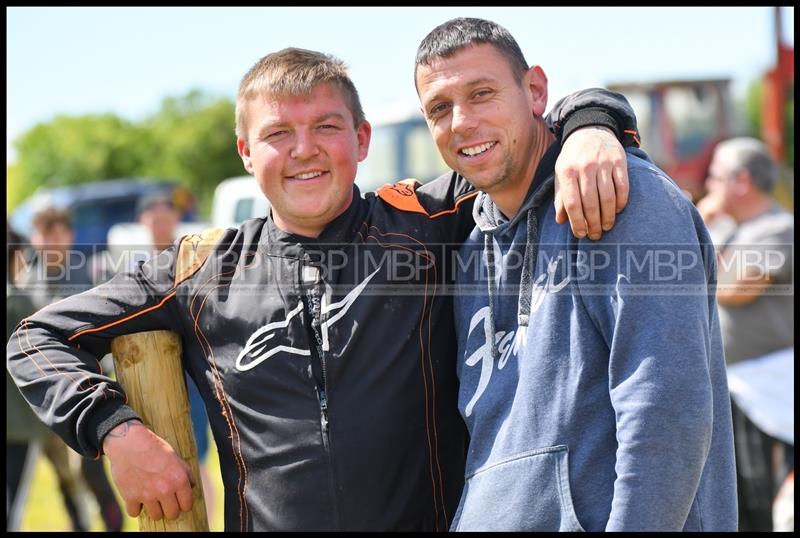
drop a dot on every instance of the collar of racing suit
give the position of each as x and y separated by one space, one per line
340 231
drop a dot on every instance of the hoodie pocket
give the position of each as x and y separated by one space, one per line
526 492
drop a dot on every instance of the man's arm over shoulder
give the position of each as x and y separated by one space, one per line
592 127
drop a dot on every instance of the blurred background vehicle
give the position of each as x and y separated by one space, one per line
99 205
400 148
237 199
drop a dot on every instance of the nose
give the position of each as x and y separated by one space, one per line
463 120
305 146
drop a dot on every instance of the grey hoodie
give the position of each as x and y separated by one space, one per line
592 376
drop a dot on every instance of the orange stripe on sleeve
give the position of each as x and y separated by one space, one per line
123 320
633 134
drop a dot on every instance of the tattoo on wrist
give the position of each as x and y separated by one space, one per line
121 430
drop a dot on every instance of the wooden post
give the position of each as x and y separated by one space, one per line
148 366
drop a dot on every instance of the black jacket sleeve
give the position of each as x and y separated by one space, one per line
53 355
594 106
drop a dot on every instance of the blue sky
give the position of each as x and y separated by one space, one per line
126 60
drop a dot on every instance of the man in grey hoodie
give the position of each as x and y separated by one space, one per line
592 377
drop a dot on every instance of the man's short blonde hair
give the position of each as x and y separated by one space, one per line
291 72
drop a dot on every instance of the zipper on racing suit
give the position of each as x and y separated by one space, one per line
313 310
311 304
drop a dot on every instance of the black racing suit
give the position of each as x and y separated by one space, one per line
327 365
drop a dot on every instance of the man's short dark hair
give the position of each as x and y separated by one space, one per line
450 37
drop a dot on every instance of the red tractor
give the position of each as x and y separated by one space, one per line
681 121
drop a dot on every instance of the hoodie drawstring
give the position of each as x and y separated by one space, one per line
488 248
490 220
526 282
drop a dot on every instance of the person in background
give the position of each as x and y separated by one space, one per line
56 273
756 310
24 431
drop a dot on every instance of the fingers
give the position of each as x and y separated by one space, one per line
165 507
590 201
607 194
621 182
591 172
133 508
188 469
165 499
153 510
561 213
185 497
572 206
169 506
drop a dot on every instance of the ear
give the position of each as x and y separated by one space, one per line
363 136
244 152
536 83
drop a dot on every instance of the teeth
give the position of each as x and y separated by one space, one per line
308 175
477 149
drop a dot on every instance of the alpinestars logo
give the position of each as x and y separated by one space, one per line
262 344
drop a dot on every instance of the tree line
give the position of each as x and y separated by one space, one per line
190 139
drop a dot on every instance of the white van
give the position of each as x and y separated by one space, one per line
237 199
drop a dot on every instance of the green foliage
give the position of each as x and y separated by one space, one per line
72 150
15 187
753 111
194 139
752 106
190 140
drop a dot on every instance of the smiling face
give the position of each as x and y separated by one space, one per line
304 150
482 118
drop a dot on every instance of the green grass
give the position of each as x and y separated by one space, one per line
44 509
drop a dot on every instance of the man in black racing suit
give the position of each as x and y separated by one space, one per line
321 336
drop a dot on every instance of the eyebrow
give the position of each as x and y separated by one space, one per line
319 119
480 80
470 84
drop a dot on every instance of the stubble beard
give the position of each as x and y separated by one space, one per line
496 182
